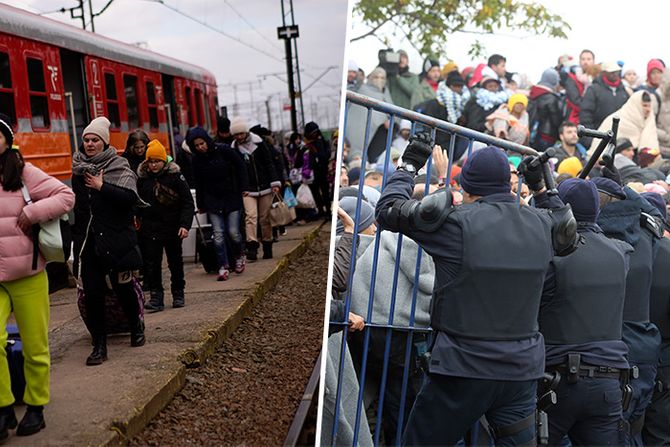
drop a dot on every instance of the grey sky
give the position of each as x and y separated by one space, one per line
631 32
321 44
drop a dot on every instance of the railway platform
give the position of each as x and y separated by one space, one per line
108 404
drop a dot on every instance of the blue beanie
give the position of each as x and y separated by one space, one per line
657 201
582 195
354 174
610 187
550 78
366 218
486 172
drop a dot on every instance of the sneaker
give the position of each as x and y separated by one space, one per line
223 274
283 232
240 264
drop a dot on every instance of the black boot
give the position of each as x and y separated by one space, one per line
99 353
156 303
252 251
7 421
32 422
137 337
267 250
177 298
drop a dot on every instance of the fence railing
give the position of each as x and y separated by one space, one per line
397 399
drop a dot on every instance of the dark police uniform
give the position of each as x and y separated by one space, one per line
657 418
580 318
491 257
632 221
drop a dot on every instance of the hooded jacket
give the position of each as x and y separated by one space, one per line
170 200
663 118
600 101
259 164
220 175
51 198
544 111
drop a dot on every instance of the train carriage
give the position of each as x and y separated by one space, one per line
55 78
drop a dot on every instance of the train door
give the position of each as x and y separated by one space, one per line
95 79
75 95
171 103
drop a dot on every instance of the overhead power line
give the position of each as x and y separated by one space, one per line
236 39
271 42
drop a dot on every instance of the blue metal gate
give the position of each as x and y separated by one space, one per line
358 430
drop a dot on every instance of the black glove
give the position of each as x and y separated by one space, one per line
419 150
608 170
532 175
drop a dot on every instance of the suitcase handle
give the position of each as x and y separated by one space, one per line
202 235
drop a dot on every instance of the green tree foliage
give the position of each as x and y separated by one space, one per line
428 23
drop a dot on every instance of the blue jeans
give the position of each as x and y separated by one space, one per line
220 223
447 407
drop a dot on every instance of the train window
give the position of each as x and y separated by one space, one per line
189 109
112 101
130 88
153 107
5 73
208 119
39 107
198 107
6 93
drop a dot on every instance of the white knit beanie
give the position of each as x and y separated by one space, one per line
239 125
99 127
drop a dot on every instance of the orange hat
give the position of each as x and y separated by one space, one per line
156 151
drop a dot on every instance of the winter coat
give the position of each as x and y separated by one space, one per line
220 178
259 165
184 158
632 125
424 92
133 160
357 117
503 120
105 219
402 87
474 115
663 118
280 163
51 198
599 101
574 91
434 108
319 156
171 202
544 116
360 289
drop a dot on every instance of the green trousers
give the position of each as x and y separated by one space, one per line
28 299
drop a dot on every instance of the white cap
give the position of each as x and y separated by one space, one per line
405 124
610 67
353 66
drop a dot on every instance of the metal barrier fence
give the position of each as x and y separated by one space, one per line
410 331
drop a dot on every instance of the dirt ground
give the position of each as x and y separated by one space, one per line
248 391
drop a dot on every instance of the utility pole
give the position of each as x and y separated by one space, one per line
289 32
267 109
95 14
81 16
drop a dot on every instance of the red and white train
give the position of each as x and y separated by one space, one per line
55 78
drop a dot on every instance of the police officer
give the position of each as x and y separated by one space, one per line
491 256
580 318
656 429
627 216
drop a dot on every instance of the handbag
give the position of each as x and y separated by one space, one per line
116 321
289 198
280 213
51 237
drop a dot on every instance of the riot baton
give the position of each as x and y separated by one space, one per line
543 158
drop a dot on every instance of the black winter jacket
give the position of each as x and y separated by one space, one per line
171 202
599 102
110 212
474 115
220 178
133 160
434 108
544 109
260 167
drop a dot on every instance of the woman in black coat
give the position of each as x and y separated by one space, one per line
103 234
164 224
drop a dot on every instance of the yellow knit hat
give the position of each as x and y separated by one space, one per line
156 150
515 99
570 165
448 68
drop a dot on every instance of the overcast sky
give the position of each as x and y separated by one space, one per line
631 32
321 44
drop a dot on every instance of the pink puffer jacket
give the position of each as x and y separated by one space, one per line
51 199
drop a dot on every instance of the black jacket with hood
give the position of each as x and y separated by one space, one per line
259 164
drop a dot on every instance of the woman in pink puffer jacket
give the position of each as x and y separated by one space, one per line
24 291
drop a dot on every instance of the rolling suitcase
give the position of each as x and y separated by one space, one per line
14 350
204 247
116 321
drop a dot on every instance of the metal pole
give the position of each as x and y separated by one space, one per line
90 11
68 95
168 109
291 88
297 67
267 109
